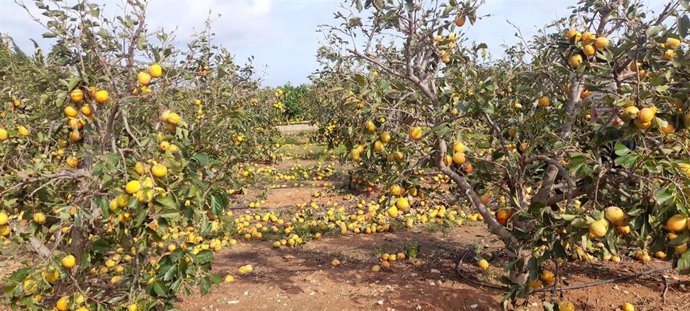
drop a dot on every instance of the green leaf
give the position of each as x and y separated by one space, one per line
204 256
663 195
202 158
205 285
683 25
684 263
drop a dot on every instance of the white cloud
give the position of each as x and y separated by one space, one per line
281 33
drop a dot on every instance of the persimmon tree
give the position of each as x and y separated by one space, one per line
119 151
571 147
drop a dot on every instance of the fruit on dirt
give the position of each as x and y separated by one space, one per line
335 262
3 218
402 204
62 304
566 306
39 218
628 307
544 101
393 211
483 264
246 269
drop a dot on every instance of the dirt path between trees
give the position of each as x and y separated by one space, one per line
302 278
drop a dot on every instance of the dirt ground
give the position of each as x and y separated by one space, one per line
303 278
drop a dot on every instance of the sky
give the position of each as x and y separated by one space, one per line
281 34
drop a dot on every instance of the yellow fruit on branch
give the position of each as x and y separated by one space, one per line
385 138
598 228
677 223
629 113
670 54
588 37
3 134
573 35
459 158
615 215
370 126
155 71
144 78
672 43
75 136
646 114
77 95
447 160
71 111
458 147
133 187
378 146
68 262
102 97
601 43
415 133
642 125
575 61
159 170
86 110
460 20
547 277
589 50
